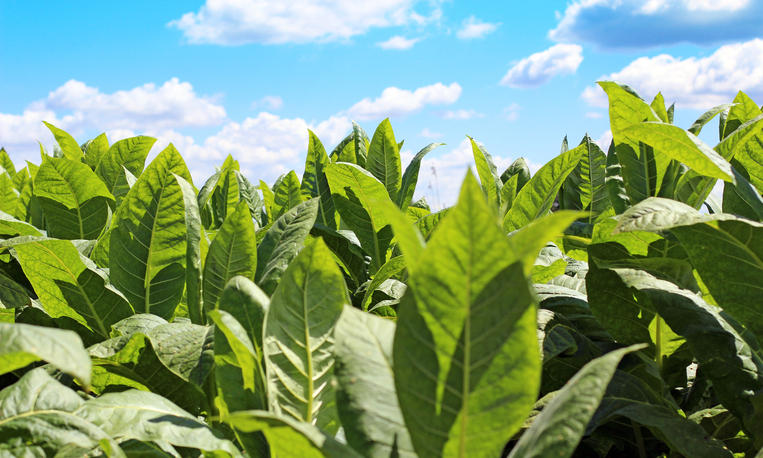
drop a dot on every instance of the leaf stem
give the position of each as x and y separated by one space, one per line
639 439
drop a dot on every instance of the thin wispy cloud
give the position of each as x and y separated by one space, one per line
472 28
539 68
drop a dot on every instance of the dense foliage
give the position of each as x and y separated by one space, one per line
606 306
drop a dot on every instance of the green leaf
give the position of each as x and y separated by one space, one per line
658 105
613 181
70 285
6 163
584 188
465 352
287 193
387 271
282 242
23 344
95 149
314 182
491 182
298 336
232 252
536 198
411 176
193 235
726 251
10 201
289 438
518 167
526 242
145 416
147 248
742 110
641 169
74 200
384 159
126 155
726 356
361 201
69 146
366 399
11 227
560 426
706 117
37 419
694 188
678 144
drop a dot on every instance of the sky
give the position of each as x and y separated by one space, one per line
249 77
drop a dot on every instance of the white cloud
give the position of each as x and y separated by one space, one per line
474 28
235 22
512 112
692 82
270 102
461 114
398 42
593 115
639 24
79 108
173 104
604 140
426 133
395 102
540 67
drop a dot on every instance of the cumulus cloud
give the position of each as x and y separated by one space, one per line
593 115
639 24
398 42
395 102
692 82
472 28
79 108
236 22
461 114
539 68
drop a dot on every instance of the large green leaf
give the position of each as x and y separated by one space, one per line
74 200
69 146
290 438
613 181
520 168
411 176
706 117
384 159
129 153
314 182
726 251
361 201
147 244
286 193
584 188
719 345
70 285
387 271
37 419
95 149
10 201
491 182
465 352
193 233
537 196
23 344
742 110
145 416
641 169
147 353
282 242
559 427
366 399
232 252
6 163
298 336
683 146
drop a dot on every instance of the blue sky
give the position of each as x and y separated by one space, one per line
249 77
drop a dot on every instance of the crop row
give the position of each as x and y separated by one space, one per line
608 305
